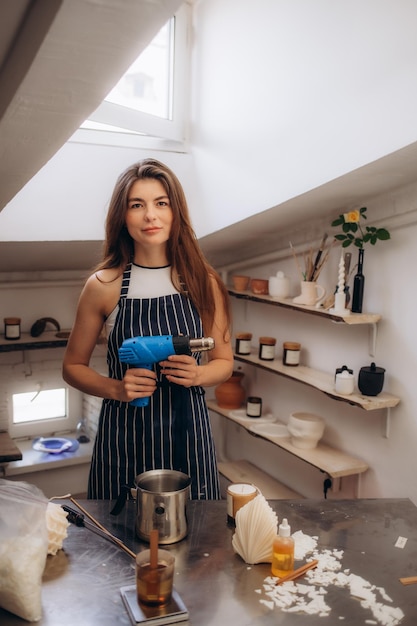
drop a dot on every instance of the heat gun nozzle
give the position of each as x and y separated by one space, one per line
201 344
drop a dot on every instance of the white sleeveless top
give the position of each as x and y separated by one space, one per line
145 282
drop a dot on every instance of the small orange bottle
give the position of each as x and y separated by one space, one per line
283 551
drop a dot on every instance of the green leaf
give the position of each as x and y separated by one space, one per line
340 237
338 221
383 234
346 243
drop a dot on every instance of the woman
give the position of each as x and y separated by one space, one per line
153 280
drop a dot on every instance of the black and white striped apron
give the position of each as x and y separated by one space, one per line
173 431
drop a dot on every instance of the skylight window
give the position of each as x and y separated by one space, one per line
147 84
149 99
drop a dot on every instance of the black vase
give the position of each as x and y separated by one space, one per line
358 285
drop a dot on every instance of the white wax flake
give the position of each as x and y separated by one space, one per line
206 554
309 596
303 545
270 605
401 541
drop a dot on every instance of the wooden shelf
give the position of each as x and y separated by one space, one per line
48 339
352 318
245 472
322 381
335 463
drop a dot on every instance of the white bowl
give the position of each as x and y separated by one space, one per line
271 430
306 429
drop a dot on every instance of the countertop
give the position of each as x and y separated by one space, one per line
8 449
82 582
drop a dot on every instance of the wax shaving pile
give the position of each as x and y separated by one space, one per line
310 596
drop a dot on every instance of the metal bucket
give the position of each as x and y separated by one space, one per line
161 497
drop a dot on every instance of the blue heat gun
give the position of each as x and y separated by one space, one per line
145 351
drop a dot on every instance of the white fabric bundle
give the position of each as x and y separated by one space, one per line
256 529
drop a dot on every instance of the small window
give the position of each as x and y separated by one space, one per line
34 406
45 406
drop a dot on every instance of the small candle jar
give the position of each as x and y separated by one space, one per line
291 354
254 406
238 494
243 343
12 327
267 348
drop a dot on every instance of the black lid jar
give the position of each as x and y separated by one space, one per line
371 380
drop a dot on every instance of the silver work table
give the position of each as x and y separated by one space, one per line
82 582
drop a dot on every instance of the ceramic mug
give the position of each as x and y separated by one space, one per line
311 293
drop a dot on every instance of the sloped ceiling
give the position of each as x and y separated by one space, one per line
58 60
268 231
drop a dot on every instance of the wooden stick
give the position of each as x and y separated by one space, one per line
297 572
324 259
154 536
317 259
296 260
410 580
107 532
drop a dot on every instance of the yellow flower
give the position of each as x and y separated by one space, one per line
352 232
352 216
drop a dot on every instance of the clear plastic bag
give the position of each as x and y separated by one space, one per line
23 548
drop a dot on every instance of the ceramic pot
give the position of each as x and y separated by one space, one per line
259 286
230 394
240 283
371 380
306 429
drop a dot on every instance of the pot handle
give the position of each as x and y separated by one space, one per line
121 500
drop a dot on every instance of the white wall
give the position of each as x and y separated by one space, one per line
68 199
290 94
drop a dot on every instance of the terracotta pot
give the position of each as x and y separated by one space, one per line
259 286
240 283
230 394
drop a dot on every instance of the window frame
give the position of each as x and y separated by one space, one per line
48 379
148 125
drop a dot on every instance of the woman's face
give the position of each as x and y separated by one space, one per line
149 214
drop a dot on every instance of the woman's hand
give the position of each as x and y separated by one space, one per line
138 382
181 369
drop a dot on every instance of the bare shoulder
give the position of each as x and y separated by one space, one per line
104 288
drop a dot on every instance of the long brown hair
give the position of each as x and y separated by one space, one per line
190 271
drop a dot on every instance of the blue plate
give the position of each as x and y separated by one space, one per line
55 445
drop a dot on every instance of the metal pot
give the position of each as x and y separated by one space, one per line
161 496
